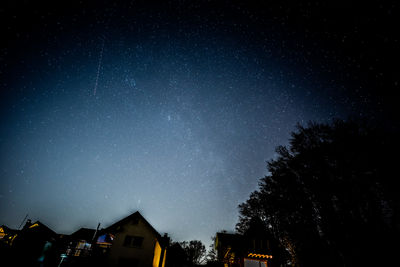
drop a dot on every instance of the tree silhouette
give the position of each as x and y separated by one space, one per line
212 253
176 256
330 197
195 251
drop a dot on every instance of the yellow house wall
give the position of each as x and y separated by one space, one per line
165 256
157 255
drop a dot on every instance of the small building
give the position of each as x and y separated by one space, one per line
34 244
132 241
235 250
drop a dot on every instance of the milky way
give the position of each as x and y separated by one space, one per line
191 101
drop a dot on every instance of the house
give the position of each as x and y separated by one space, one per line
132 241
33 245
235 250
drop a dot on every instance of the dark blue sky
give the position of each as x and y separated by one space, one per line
192 98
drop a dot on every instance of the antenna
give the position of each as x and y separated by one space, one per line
23 221
95 233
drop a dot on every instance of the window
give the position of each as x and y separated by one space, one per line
133 241
137 241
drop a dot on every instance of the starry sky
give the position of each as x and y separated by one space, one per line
173 108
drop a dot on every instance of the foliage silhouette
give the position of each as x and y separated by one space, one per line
212 253
195 251
330 196
186 253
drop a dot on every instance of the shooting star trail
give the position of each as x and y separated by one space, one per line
98 68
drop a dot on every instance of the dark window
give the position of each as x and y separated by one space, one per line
128 241
133 241
137 241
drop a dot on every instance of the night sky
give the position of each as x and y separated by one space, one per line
174 108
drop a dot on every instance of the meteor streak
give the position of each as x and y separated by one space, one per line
98 68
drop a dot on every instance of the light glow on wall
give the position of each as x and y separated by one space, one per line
157 254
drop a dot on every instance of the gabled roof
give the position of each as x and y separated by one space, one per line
43 228
134 216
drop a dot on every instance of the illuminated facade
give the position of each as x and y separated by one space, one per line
3 231
7 235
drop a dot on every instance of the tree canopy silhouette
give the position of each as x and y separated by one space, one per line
186 253
330 196
195 251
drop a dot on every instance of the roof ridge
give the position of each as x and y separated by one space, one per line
136 213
